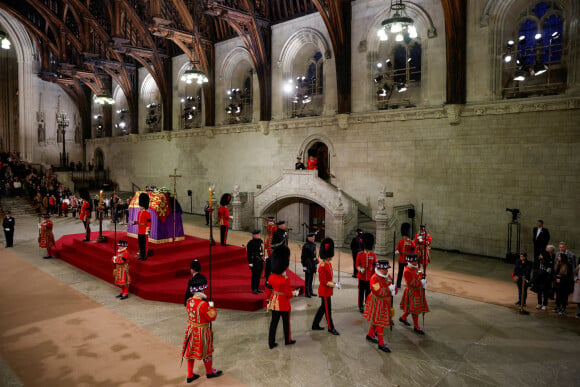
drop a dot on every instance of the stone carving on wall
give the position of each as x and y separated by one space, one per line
236 193
339 205
78 135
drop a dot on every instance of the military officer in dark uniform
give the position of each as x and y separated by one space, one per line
309 263
299 164
8 226
280 237
255 254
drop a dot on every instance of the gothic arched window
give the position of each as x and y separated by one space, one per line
532 57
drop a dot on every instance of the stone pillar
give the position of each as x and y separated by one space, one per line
237 214
381 237
339 220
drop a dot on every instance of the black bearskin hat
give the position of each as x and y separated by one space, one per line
195 265
198 283
144 200
327 248
84 194
411 258
406 229
225 200
280 259
122 243
368 240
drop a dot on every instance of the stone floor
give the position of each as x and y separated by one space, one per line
468 342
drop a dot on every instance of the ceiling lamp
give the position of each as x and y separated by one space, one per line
193 74
104 99
539 68
4 41
519 75
398 24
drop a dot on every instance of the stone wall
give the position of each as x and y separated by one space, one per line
496 155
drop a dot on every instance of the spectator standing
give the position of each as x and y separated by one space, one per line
8 226
542 278
521 276
541 238
563 283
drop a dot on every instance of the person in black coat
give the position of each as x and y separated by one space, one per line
8 226
309 263
541 238
255 255
563 282
521 276
542 276
356 246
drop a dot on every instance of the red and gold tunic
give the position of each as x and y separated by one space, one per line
198 343
421 246
280 294
143 222
121 272
312 164
46 238
85 212
224 216
379 302
367 261
270 230
326 286
404 247
413 300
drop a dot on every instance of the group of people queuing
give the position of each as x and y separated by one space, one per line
552 275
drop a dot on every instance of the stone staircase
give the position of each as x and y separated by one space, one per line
17 205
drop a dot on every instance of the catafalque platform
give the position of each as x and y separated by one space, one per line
164 275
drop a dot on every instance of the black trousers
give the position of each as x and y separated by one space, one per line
223 234
402 266
561 297
325 309
354 269
268 269
9 237
256 273
522 297
364 289
142 238
207 218
308 279
543 294
87 229
276 314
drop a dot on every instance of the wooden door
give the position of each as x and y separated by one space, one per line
317 220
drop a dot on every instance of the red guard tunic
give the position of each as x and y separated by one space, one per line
312 163
421 245
270 230
85 212
121 272
224 216
280 294
143 221
379 302
326 286
198 343
366 260
405 247
413 300
46 238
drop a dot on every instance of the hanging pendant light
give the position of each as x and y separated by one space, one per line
398 24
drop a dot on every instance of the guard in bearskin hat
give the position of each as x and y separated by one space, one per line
326 287
195 270
255 255
121 271
279 237
404 247
45 236
224 217
143 225
85 214
356 246
413 301
379 309
309 263
279 294
365 264
198 343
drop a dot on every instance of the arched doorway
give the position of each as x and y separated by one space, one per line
317 220
320 151
99 160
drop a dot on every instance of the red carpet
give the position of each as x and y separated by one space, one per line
164 276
